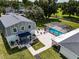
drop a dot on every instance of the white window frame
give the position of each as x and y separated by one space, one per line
21 28
13 29
30 26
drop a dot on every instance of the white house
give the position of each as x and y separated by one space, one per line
17 29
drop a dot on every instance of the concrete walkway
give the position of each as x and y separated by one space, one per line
44 39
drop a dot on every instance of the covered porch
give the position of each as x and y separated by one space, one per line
19 40
24 38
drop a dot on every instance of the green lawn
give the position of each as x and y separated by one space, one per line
38 45
59 12
72 24
24 54
72 19
50 54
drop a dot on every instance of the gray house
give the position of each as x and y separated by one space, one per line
70 47
17 30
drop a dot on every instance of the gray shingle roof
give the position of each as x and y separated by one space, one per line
72 43
12 19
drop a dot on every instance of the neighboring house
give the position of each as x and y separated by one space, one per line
69 46
15 0
21 11
10 10
17 29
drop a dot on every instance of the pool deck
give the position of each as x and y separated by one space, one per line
65 36
56 26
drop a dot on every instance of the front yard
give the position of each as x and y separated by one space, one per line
25 54
38 45
22 54
50 54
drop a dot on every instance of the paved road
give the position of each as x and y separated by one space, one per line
37 56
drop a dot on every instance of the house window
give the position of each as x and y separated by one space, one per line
78 58
22 28
14 29
29 26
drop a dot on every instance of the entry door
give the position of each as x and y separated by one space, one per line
25 39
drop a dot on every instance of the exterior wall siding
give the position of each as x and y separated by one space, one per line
9 30
67 53
2 29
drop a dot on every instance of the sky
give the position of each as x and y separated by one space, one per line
58 0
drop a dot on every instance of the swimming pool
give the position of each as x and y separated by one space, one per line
55 32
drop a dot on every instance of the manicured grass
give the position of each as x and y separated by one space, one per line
23 54
38 45
59 12
72 24
71 21
50 54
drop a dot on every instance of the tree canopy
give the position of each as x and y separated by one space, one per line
34 12
49 6
71 8
27 3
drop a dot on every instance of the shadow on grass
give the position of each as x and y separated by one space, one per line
8 49
73 19
57 49
63 56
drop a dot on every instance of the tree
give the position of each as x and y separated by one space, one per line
35 13
36 2
15 4
49 7
2 10
70 8
27 3
77 12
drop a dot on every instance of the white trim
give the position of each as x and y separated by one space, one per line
67 35
13 30
21 28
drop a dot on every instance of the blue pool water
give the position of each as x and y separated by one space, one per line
55 32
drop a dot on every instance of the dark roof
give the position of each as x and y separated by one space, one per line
72 43
12 19
24 34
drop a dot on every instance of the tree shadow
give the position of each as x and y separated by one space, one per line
8 49
73 19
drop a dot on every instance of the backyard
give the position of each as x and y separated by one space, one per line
71 21
72 24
